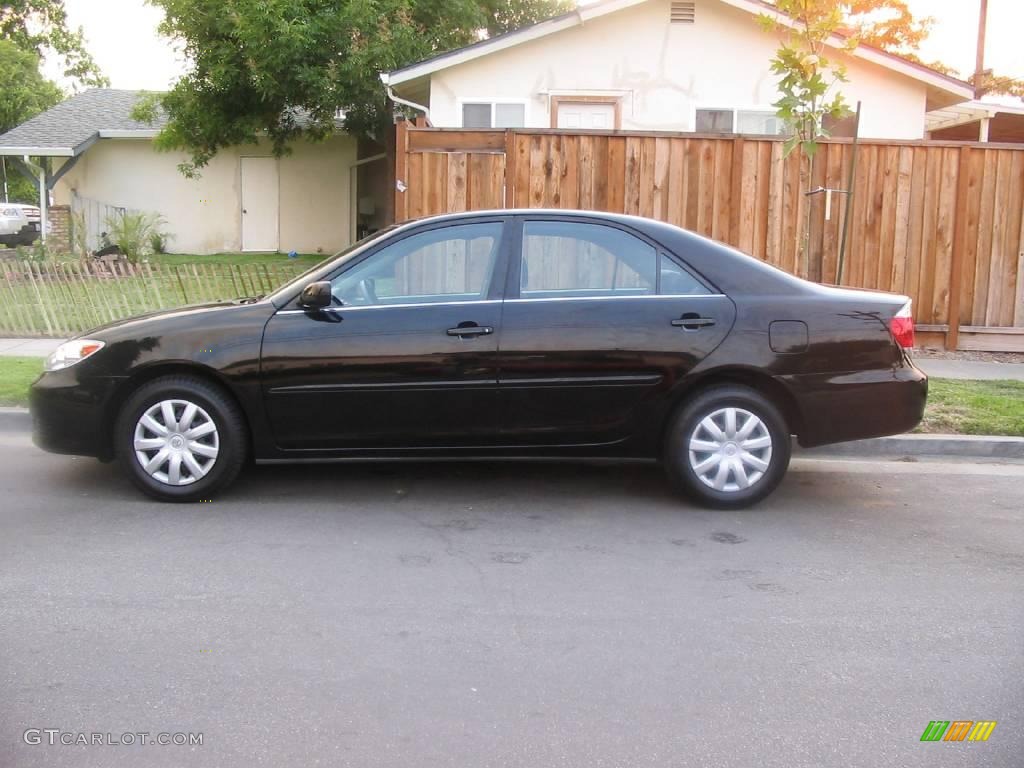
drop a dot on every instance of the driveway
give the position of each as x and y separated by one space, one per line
511 615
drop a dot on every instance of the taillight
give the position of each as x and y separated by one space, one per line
902 326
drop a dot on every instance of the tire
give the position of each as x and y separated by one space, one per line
209 451
695 453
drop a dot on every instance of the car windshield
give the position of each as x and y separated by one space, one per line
337 259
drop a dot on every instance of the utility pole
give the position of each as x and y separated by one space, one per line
979 64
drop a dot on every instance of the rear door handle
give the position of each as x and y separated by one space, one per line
470 330
693 322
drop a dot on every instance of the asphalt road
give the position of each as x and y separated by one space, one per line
514 615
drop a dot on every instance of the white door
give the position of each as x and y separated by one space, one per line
581 114
260 204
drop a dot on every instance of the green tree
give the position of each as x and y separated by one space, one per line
283 68
502 16
41 27
25 93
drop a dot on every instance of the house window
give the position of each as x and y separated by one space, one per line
758 122
484 114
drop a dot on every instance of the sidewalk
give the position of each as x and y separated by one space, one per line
940 369
970 369
28 347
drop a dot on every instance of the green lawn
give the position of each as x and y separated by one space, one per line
178 259
974 407
16 373
954 407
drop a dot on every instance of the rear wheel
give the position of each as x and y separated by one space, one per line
181 438
728 447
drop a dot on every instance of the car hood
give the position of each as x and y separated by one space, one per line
166 319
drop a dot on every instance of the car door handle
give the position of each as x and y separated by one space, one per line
691 321
470 330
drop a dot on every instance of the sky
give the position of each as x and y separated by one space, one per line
122 37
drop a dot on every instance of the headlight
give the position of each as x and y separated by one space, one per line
71 352
11 213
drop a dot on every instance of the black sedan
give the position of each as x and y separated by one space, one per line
491 335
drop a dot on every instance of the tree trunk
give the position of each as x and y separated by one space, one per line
812 271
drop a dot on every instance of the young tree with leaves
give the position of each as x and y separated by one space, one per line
283 68
808 80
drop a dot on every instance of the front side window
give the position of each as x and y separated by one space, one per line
572 259
438 266
486 114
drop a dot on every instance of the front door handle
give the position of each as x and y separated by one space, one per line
691 321
470 330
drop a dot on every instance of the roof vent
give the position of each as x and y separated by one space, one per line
683 12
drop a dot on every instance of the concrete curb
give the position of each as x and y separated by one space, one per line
973 446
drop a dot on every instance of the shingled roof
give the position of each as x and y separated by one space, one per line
69 128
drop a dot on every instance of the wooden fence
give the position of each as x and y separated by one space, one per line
50 299
940 222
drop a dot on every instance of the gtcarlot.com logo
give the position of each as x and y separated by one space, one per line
55 736
958 730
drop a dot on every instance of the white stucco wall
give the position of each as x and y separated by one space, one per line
204 214
663 72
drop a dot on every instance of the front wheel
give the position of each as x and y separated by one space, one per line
181 438
729 447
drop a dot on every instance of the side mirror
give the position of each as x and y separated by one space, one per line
316 295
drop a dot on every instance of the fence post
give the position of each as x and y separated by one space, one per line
510 168
959 246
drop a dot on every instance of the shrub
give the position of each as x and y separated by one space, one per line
135 233
158 242
36 253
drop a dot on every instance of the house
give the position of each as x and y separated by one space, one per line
977 121
697 65
99 161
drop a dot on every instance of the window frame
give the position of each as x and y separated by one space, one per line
493 102
514 255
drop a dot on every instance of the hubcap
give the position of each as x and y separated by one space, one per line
730 450
176 442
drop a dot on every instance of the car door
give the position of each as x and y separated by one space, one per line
599 324
406 357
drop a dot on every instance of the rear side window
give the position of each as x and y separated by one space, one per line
573 259
676 281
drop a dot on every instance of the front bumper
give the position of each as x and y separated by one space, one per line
860 404
71 415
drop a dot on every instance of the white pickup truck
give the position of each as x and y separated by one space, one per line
19 224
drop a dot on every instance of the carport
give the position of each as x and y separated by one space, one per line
49 145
